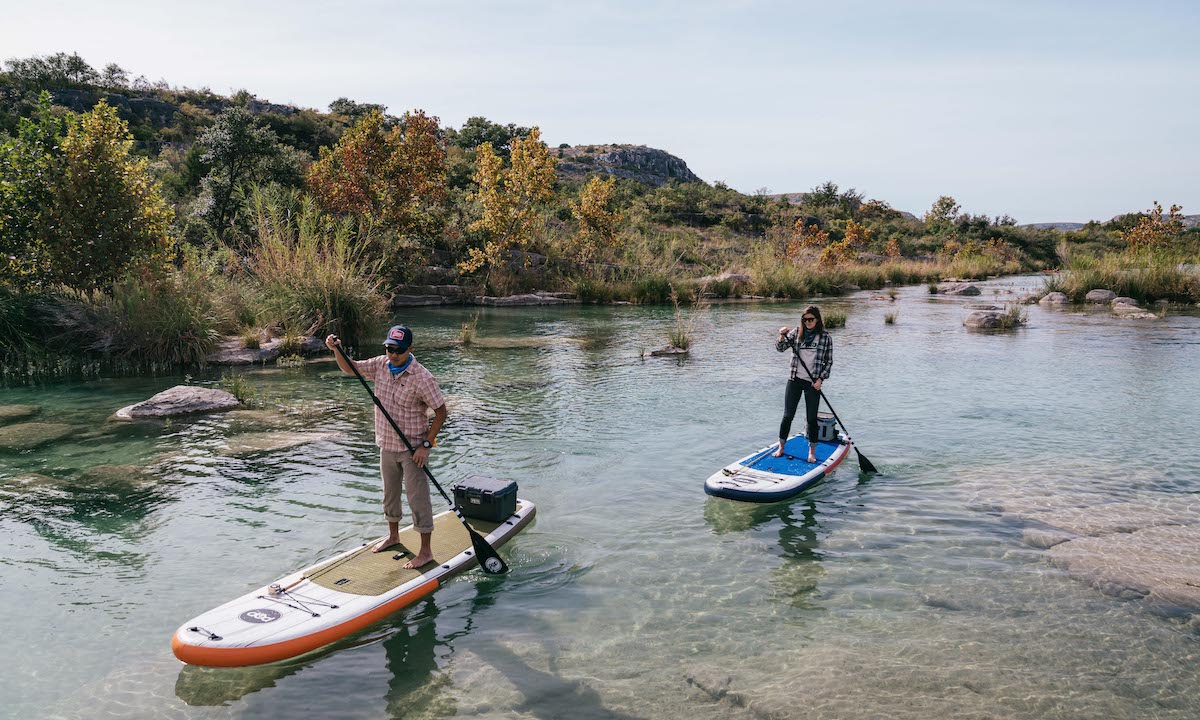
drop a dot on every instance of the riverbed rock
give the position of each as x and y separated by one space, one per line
231 352
1100 296
1133 312
736 278
180 400
257 417
25 436
538 298
668 351
13 413
261 442
982 306
1054 298
987 320
1029 299
957 288
1122 300
110 475
1158 563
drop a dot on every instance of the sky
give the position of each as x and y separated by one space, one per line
1044 111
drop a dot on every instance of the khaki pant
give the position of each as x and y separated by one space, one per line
399 470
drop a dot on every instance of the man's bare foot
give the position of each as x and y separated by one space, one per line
386 543
779 452
418 561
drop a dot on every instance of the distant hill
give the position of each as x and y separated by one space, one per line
637 162
1188 221
797 198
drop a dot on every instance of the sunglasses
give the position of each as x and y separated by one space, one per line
809 319
393 349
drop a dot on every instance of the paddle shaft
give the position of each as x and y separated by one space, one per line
488 559
863 463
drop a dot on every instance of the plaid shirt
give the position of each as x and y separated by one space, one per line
407 397
824 354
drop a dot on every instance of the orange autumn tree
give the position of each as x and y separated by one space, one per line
510 199
389 177
1153 231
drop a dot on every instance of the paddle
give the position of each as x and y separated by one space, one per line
863 463
488 559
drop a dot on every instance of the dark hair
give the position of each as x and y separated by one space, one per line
815 312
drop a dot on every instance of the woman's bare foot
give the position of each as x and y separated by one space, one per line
386 543
812 458
423 559
779 452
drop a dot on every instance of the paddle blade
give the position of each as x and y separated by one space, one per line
488 559
864 465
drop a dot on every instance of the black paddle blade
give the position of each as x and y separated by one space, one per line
488 559
864 465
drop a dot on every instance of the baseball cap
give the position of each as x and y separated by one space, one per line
399 336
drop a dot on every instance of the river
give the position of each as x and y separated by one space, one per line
908 594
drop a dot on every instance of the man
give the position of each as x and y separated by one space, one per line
407 390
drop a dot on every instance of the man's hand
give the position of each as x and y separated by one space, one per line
420 455
331 341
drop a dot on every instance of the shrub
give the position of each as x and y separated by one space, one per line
313 277
890 318
834 318
469 330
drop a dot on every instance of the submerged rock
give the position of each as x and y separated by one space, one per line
180 400
1100 296
1133 311
12 413
107 475
259 442
257 417
668 351
1125 301
1054 298
1158 563
24 436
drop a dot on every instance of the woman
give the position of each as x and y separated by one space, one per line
812 358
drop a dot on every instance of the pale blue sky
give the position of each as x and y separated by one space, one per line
1046 111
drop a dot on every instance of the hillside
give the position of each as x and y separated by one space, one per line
634 162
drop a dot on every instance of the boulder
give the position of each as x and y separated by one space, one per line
1125 301
1133 312
180 400
726 277
1029 299
25 436
231 352
1054 298
1100 296
982 306
12 413
110 475
957 288
983 319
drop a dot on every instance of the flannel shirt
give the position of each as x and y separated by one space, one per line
407 396
824 356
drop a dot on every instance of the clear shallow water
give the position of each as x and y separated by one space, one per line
634 595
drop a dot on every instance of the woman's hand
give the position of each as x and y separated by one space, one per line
783 331
817 384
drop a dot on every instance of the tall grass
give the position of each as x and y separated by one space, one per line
683 331
160 319
1146 276
312 274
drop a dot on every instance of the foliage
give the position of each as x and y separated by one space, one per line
237 149
683 330
597 221
834 318
1012 317
76 207
510 199
394 177
1153 232
313 276
470 329
479 130
941 214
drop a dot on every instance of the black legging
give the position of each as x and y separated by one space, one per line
812 400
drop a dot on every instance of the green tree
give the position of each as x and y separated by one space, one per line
108 212
237 149
29 164
941 214
479 130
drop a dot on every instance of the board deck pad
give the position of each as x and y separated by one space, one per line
797 464
375 573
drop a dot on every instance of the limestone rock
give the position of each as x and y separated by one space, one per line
259 442
1029 299
231 352
984 319
539 298
1159 563
180 400
12 413
1054 298
109 475
957 288
668 351
1133 312
982 306
24 436
1125 301
1100 296
651 166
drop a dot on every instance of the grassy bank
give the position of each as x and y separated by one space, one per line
1146 276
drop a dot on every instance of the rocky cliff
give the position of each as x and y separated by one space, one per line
636 162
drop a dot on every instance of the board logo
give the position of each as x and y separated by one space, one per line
261 615
493 564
